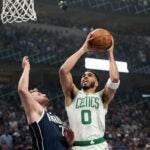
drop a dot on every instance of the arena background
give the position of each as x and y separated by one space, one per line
58 32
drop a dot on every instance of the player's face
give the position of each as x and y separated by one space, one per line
88 80
40 97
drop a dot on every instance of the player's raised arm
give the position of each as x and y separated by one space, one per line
113 81
65 71
31 107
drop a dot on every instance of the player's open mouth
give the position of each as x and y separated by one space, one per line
85 81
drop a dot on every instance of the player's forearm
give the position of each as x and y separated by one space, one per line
113 69
24 80
72 60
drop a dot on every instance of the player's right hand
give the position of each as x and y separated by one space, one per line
25 62
86 45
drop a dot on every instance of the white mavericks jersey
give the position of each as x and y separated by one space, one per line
86 116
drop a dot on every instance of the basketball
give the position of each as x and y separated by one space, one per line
101 39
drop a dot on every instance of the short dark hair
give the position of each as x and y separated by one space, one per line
37 90
97 77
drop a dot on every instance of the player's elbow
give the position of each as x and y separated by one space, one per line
62 71
21 91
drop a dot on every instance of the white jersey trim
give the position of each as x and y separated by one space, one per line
43 111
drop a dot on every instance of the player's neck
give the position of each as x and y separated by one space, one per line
88 91
45 108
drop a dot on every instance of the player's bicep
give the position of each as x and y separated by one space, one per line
66 82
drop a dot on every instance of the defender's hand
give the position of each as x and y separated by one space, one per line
69 136
25 62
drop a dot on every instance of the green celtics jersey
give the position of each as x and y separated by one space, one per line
86 116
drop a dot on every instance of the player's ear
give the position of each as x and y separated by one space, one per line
96 83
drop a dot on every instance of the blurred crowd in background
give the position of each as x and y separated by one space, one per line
127 126
134 49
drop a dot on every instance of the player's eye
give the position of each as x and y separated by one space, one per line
83 75
90 75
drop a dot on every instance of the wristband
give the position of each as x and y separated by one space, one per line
113 85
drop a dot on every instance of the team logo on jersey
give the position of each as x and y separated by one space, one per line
87 101
54 118
92 142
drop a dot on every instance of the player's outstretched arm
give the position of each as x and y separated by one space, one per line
31 107
72 60
23 84
64 71
113 81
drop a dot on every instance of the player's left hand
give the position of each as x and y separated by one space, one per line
112 46
69 136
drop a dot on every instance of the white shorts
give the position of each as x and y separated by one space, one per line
101 146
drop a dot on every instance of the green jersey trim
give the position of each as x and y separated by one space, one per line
90 142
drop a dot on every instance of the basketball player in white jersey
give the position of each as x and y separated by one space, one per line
87 108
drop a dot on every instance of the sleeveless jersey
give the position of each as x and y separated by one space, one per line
47 133
86 116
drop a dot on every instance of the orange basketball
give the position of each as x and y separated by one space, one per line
102 39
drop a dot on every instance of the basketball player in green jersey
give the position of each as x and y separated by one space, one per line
86 108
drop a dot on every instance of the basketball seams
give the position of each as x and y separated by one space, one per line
96 39
101 39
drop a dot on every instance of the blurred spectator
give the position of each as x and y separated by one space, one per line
6 140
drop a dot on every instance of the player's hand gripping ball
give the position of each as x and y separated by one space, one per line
101 40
